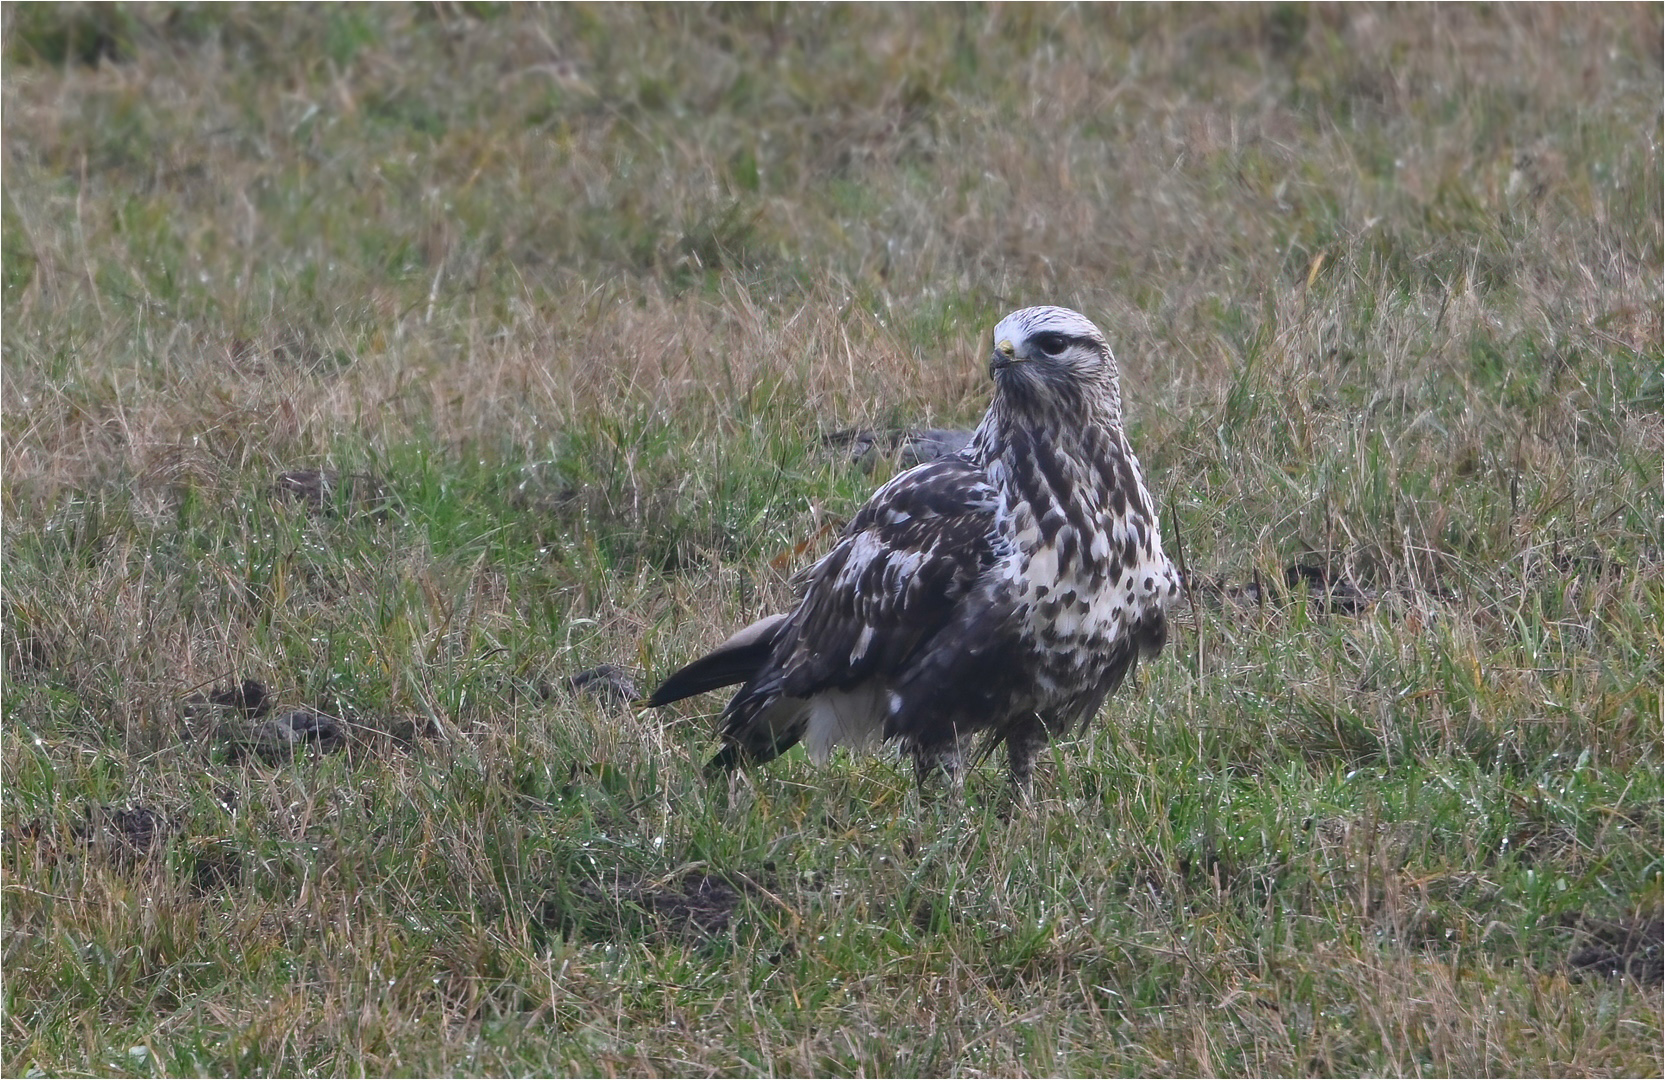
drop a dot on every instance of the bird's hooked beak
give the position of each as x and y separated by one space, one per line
1004 356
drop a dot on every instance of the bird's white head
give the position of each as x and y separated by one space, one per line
1053 353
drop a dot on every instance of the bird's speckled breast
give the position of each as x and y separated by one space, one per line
1085 563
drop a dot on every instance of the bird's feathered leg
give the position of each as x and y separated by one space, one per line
1024 740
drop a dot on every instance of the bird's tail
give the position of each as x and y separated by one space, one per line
734 661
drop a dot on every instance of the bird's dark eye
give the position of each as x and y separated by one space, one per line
1051 344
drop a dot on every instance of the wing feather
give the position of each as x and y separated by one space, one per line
892 581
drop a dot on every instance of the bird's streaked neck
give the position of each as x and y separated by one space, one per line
1063 415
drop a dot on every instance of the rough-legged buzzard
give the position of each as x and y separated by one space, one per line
996 595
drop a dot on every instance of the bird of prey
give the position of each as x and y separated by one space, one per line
996 595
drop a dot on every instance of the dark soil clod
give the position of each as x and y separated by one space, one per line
276 740
1634 947
607 683
326 491
918 447
120 834
909 447
248 697
127 832
1337 592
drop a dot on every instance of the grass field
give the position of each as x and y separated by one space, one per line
409 360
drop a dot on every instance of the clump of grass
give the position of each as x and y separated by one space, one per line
563 302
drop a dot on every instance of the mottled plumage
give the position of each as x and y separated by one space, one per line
997 594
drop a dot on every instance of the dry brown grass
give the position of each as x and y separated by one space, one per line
574 293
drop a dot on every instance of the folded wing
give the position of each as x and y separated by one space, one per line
895 578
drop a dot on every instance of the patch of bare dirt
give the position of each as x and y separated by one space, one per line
215 865
694 907
700 904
